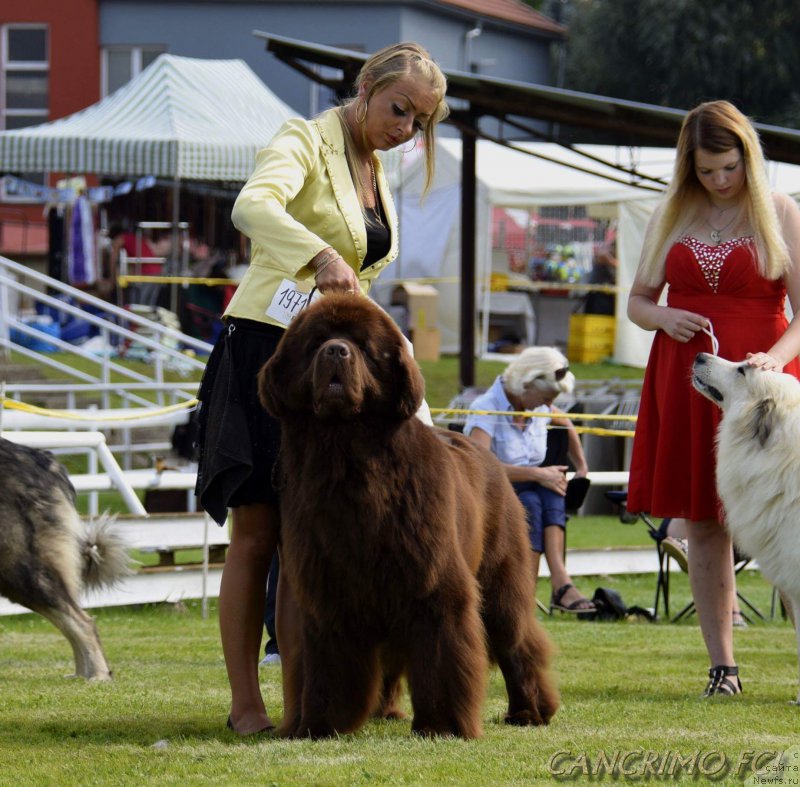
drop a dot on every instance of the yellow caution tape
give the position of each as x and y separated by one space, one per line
530 414
13 404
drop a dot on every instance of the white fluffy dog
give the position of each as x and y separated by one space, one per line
758 455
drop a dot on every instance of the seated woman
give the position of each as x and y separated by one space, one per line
530 383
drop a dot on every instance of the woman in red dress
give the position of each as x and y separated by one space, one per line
729 250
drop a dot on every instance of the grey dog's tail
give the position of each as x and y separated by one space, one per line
106 560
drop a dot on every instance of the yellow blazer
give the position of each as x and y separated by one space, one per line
299 200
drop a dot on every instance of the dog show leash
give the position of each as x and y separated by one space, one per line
709 331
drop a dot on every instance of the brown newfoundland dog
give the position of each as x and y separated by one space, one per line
404 550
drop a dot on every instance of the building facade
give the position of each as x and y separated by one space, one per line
49 68
60 56
501 38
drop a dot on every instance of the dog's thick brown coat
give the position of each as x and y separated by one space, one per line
404 546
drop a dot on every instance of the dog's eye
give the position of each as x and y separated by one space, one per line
740 369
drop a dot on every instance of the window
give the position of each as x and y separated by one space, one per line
24 89
120 64
25 78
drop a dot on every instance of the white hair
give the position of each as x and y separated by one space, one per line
536 366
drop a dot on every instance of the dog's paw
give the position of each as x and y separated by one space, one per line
393 714
467 729
428 731
530 717
314 730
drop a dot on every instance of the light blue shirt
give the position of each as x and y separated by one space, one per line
510 444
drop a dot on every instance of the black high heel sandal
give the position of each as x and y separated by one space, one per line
718 683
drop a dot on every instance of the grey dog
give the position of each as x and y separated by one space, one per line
47 554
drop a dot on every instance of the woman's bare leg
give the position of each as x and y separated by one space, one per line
241 610
554 542
712 581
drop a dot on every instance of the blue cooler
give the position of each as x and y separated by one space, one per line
44 325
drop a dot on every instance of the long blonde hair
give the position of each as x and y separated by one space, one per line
382 69
715 126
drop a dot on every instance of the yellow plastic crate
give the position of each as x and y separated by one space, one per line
586 325
580 354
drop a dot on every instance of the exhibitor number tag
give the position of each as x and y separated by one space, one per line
289 301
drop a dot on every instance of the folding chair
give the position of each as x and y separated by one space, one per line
619 498
658 534
740 562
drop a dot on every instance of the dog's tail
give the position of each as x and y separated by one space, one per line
106 559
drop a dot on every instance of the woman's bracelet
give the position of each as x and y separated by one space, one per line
325 262
321 267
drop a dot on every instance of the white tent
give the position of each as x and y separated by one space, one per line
430 231
181 118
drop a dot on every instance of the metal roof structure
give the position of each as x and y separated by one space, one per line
628 122
473 96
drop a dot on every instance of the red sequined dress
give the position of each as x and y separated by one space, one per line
672 470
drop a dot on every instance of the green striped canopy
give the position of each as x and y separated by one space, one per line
180 118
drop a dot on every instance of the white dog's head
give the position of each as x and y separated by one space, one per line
756 396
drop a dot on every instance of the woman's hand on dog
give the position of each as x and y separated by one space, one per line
333 274
764 361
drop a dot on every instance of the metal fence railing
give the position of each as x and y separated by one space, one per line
28 299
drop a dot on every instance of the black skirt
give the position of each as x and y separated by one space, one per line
238 441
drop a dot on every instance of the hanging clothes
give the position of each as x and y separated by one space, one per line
81 266
55 251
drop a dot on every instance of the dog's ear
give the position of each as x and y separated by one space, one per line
762 420
409 384
270 390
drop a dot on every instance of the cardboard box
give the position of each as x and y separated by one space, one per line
427 343
421 302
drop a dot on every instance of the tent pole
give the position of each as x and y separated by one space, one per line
175 243
468 229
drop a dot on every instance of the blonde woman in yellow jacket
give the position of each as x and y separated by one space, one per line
320 217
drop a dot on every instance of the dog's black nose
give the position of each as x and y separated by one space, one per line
700 359
337 349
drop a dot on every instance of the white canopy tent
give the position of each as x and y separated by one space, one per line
430 246
181 118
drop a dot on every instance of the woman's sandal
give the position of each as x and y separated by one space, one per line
718 683
262 731
582 604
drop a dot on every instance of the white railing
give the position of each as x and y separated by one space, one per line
164 344
78 441
140 531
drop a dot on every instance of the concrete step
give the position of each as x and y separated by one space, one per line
11 373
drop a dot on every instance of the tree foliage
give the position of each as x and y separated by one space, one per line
681 52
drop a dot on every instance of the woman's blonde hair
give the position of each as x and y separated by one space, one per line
717 127
384 68
536 367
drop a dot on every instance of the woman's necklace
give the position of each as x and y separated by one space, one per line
376 207
716 233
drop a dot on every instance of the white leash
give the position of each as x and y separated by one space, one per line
709 331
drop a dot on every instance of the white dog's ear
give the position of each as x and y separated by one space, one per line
762 420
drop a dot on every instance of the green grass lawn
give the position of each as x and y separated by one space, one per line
628 690
630 694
